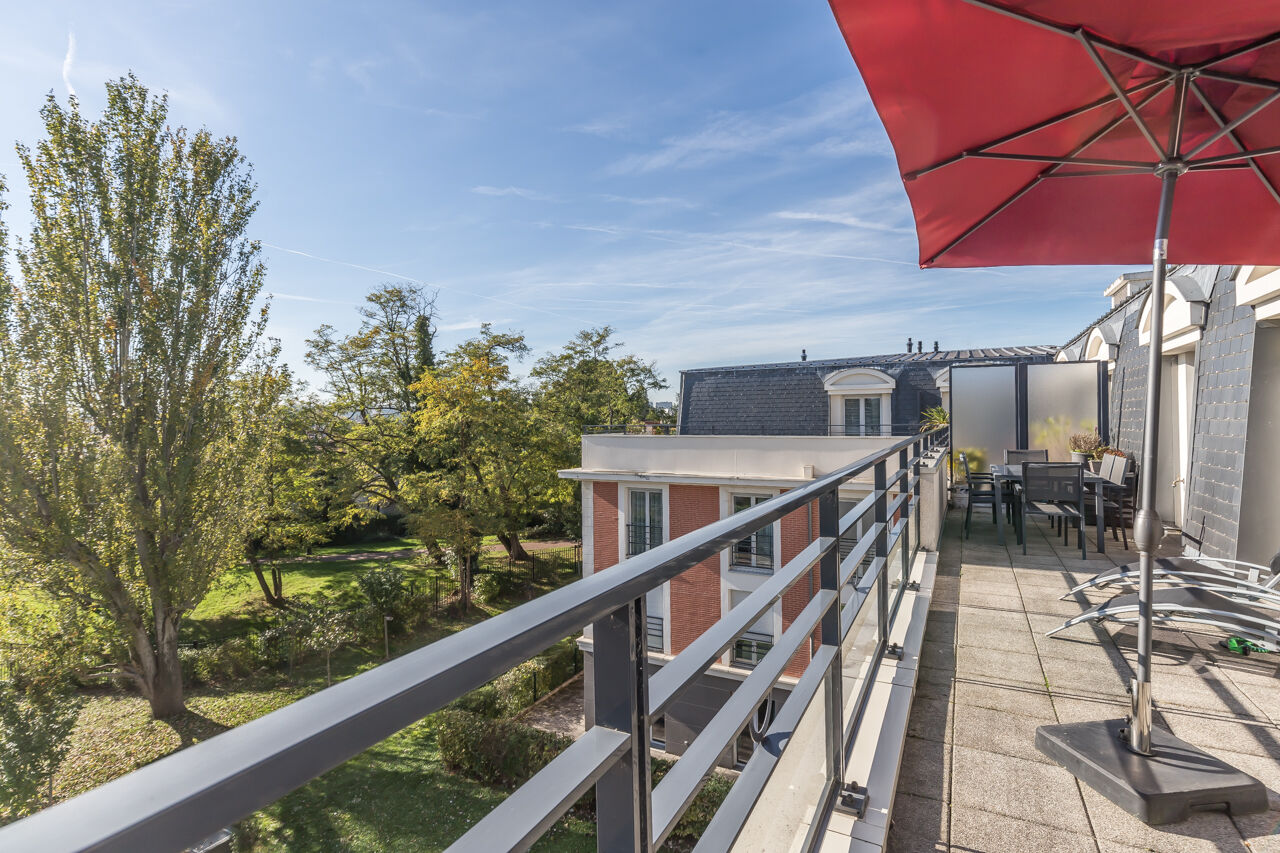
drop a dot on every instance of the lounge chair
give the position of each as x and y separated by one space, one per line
1253 614
1189 570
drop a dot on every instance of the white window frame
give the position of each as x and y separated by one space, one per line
624 513
857 384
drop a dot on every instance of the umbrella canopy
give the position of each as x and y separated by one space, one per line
1028 132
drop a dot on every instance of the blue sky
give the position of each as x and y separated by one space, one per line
709 178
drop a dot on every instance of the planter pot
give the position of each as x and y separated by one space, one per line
1078 457
1095 465
960 497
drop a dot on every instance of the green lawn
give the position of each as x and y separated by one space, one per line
396 796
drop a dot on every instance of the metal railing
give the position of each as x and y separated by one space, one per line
643 537
179 800
631 429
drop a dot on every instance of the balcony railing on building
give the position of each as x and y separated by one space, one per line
654 634
751 648
178 801
643 537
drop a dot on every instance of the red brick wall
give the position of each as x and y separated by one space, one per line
695 594
795 537
604 525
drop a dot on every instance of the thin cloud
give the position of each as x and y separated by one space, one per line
650 201
841 219
67 62
518 192
294 297
412 280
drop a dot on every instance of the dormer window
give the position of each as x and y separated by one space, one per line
860 401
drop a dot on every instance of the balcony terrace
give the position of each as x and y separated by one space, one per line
971 778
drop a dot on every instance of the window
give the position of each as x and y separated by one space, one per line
756 551
644 521
862 416
754 643
653 635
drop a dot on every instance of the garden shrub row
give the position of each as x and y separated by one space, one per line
521 686
508 753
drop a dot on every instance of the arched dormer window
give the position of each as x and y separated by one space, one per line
860 401
1260 288
1102 345
1186 308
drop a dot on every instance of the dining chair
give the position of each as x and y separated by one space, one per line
1116 501
1055 490
982 490
1017 457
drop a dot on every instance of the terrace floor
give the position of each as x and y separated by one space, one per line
971 778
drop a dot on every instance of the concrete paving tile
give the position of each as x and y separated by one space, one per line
919 825
931 681
1205 831
1268 844
1204 691
1026 700
1072 710
987 832
1074 678
997 731
1010 603
1001 589
930 718
1237 735
1255 827
1087 650
995 618
937 655
999 666
982 635
926 769
1054 607
1265 696
1017 788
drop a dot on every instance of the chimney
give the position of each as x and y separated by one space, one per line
908 344
935 346
919 346
804 356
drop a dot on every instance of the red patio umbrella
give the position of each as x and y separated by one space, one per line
1056 132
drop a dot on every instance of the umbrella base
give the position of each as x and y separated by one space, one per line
1165 787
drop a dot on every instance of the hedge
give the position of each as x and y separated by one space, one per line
508 753
514 690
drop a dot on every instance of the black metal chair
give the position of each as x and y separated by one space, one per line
1055 490
982 490
1117 503
1017 457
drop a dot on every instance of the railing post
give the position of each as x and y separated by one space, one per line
918 450
904 465
623 809
881 513
829 576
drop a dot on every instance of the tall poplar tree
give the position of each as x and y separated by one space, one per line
134 395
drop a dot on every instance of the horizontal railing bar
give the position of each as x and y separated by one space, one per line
727 823
678 788
665 684
522 818
853 516
865 543
897 503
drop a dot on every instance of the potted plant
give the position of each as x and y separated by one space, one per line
934 417
1085 446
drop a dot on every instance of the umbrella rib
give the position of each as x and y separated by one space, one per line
1114 47
1265 41
1224 129
1243 154
1048 172
1092 50
1094 173
1241 79
1063 161
1235 140
1032 128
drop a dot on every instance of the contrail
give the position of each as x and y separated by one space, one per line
67 62
424 283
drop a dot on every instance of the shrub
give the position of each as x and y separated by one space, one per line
234 658
483 700
501 752
384 587
509 753
521 686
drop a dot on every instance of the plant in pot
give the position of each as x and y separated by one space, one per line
1085 446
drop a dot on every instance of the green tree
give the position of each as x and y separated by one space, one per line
587 382
367 420
296 500
385 588
35 729
492 461
134 388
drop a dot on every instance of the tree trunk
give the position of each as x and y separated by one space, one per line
157 670
274 594
511 541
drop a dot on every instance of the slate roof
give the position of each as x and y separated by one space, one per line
788 398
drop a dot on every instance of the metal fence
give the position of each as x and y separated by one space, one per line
181 799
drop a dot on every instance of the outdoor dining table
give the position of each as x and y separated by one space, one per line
1013 474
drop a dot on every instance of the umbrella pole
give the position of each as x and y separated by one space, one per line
1147 527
